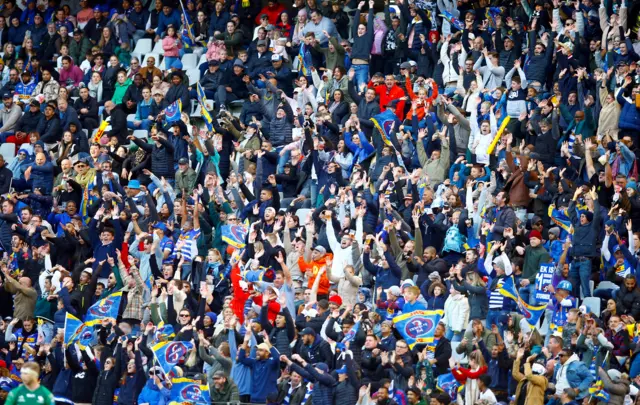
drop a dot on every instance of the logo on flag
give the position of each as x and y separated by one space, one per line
173 111
418 326
448 384
185 390
106 308
234 235
168 354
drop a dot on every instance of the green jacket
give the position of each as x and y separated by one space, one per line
120 90
78 50
186 180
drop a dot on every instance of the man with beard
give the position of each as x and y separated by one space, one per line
224 389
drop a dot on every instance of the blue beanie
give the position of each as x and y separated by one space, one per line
212 316
632 184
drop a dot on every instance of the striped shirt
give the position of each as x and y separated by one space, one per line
190 248
496 300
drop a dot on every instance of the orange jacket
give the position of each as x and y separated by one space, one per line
386 95
424 106
314 267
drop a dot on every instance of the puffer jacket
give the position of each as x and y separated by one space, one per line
323 384
43 177
617 390
456 312
49 90
281 128
161 157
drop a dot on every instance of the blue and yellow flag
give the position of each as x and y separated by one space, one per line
449 385
597 391
531 313
560 218
72 328
106 308
455 22
163 332
508 288
234 235
303 65
168 354
187 391
202 99
418 326
173 111
188 39
383 123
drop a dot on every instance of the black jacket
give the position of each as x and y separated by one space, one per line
119 125
161 157
29 121
5 179
442 356
50 130
319 352
91 104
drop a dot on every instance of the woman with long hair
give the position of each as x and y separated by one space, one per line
95 87
284 23
338 107
27 51
9 54
469 376
107 41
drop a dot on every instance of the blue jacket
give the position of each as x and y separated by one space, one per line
385 278
165 20
267 370
578 375
152 395
360 152
42 177
629 115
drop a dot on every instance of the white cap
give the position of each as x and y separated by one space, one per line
88 270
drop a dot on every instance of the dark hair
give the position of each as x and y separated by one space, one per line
486 379
65 59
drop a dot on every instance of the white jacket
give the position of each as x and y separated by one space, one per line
456 312
342 257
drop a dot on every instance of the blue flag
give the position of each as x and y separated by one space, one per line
383 123
163 332
202 99
173 111
418 326
168 354
448 384
188 39
106 308
72 327
234 235
188 391
455 23
508 288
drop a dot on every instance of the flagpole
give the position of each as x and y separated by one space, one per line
602 366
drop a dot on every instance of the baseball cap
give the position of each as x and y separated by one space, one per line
34 103
308 331
6 94
214 62
183 161
320 249
261 42
275 58
395 290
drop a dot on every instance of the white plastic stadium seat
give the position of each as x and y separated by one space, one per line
143 47
131 117
194 76
203 59
189 61
158 48
593 303
140 133
302 215
8 151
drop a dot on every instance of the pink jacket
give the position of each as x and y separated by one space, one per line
170 50
74 73
216 50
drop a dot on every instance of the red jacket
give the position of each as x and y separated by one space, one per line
273 13
239 295
386 95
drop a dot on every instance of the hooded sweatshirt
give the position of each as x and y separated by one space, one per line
118 93
72 76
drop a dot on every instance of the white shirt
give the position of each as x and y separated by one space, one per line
488 396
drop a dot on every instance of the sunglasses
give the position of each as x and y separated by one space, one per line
184 315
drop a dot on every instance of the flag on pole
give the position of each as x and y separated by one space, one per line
187 391
173 111
531 313
100 131
72 327
418 326
168 354
106 308
496 139
188 39
202 99
448 384
234 235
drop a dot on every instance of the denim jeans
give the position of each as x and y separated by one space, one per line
172 62
453 336
493 318
5 135
144 124
579 276
282 159
528 294
361 75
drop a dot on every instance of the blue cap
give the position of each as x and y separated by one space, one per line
276 57
212 316
610 222
159 225
342 370
322 366
134 184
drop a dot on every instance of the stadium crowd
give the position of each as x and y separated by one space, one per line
324 202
